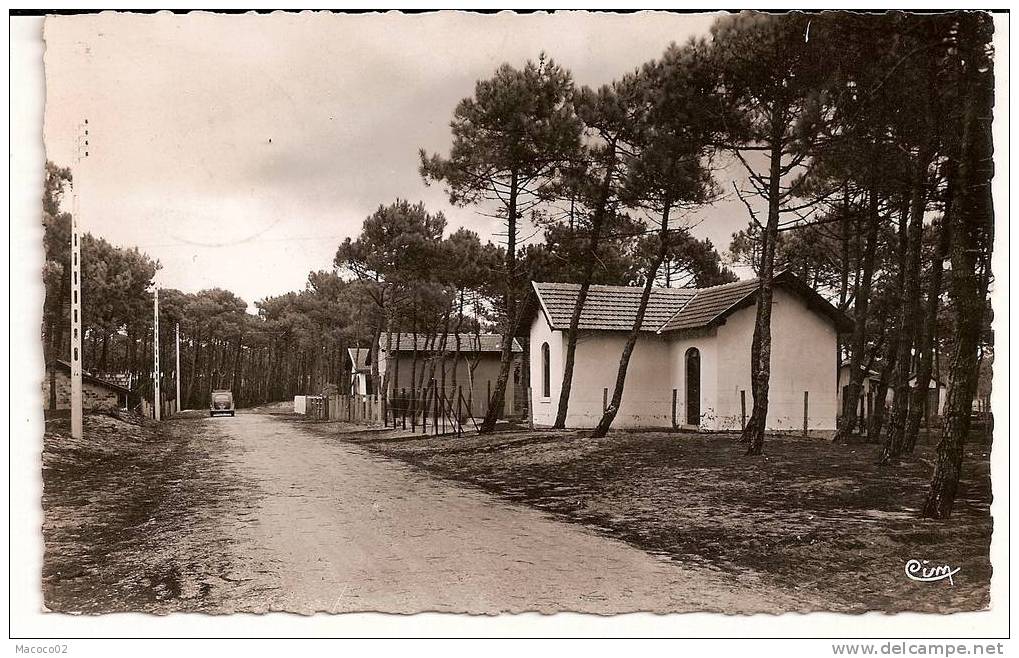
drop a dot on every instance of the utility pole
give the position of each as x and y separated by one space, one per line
177 368
155 356
76 402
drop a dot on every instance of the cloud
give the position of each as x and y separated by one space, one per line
274 136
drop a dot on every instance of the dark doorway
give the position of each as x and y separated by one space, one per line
693 386
546 372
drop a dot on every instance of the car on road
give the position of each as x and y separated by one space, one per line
221 403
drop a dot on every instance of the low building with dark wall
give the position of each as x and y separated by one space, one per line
464 365
96 394
360 371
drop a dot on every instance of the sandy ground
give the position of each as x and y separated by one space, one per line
257 513
348 531
821 521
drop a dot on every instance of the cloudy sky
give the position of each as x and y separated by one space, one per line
240 150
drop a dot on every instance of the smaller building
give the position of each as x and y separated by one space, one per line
462 365
97 394
360 371
937 395
866 403
868 388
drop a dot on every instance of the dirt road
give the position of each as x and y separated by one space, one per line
263 515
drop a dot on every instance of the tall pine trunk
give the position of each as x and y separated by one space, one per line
891 351
459 328
495 405
972 228
926 338
631 340
760 350
848 418
597 221
235 384
910 311
386 375
195 346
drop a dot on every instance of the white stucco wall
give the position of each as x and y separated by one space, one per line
359 384
543 409
647 396
803 358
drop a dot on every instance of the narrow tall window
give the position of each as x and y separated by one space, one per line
546 372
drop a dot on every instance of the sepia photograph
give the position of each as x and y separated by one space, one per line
490 313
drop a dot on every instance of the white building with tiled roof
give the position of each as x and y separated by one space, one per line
690 367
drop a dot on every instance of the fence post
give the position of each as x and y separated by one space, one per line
530 411
674 425
927 411
806 395
459 411
743 408
435 408
403 408
488 398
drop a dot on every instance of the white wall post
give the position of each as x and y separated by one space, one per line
177 368
157 401
76 318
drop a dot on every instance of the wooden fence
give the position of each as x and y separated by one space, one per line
432 410
147 409
355 409
428 410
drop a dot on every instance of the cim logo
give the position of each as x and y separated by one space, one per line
922 571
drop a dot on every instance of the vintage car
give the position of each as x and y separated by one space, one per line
221 402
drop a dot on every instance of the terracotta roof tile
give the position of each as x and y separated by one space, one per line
610 307
614 308
709 303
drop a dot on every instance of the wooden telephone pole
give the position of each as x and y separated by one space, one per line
177 368
76 401
156 399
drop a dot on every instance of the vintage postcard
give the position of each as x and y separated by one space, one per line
495 313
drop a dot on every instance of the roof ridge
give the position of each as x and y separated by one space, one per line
655 288
756 279
685 304
615 286
425 334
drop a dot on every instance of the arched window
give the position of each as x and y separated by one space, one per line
693 386
546 372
